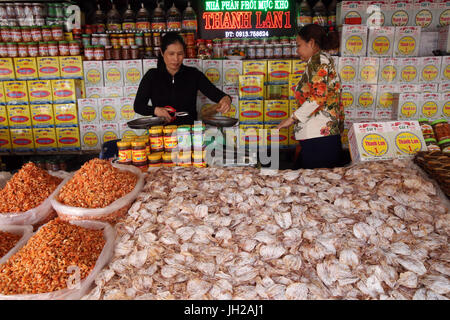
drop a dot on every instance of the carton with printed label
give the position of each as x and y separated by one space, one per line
5 140
65 91
445 68
353 40
251 111
68 138
274 135
71 67
19 116
408 87
88 111
444 110
42 115
430 68
45 139
148 64
255 67
127 133
368 70
234 109
195 63
408 106
232 69
428 87
213 71
409 70
429 105
275 111
130 91
351 12
429 41
2 95
344 136
109 109
376 13
132 70
40 91
94 92
348 99
406 139
367 97
22 139
4 117
251 87
426 14
110 131
25 68
251 134
381 41
293 106
400 13
389 71
298 67
294 79
407 41
126 109
90 136
385 102
232 90
203 102
348 69
66 114
48 68
16 92
6 69
369 142
278 71
93 73
113 73
113 92
444 87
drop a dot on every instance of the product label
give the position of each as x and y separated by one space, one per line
127 112
88 114
113 75
424 18
368 73
133 75
109 136
347 99
407 45
444 18
389 73
446 109
400 18
408 109
429 109
365 99
108 113
354 44
447 72
429 73
42 115
409 73
408 143
348 73
90 139
381 45
213 75
386 100
374 145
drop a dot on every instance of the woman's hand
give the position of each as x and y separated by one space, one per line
162 112
224 105
286 123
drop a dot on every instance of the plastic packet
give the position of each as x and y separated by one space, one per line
26 231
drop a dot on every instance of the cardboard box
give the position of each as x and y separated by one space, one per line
109 109
369 142
367 97
344 136
408 87
293 106
348 98
93 73
203 102
22 139
126 108
426 14
444 111
4 123
195 63
132 70
376 11
401 13
381 41
232 69
110 131
26 68
71 67
68 138
88 111
130 91
19 116
7 69
255 67
234 110
406 139
5 140
251 111
368 70
429 41
213 71
298 67
2 95
351 12
113 73
444 17
39 91
66 114
348 69
353 40
429 105
45 139
275 111
148 64
113 92
407 41
389 71
294 79
127 133
409 70
280 136
48 68
251 87
444 87
232 90
16 92
430 68
408 106
428 87
251 134
90 136
65 91
445 68
95 92
385 102
42 115
443 39
278 71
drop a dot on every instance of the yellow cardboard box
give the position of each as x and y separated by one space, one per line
42 115
2 94
298 67
45 139
251 134
251 111
5 140
3 117
39 91
68 138
278 71
22 139
16 92
255 67
71 67
6 69
294 79
26 68
251 87
19 116
275 111
88 111
66 114
293 105
48 68
273 135
66 91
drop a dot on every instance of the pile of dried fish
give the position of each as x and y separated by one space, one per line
371 231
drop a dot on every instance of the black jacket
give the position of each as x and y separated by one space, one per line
179 92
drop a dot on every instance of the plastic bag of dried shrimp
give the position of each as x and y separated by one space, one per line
23 232
80 288
110 213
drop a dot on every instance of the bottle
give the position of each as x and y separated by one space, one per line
113 19
304 14
332 15
173 18
158 19
128 19
320 14
143 19
99 19
189 19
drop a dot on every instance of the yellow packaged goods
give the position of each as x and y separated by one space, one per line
278 71
298 67
407 108
16 92
94 92
19 116
3 117
155 159
407 41
381 41
294 79
389 71
429 103
132 70
110 131
385 101
365 105
344 135
430 68
232 69
65 91
409 70
6 69
68 138
369 142
45 139
275 136
368 70
293 106
401 12
251 134
127 133
42 115
275 110
66 114
93 73
113 73
445 68
184 159
353 40
126 109
22 139
251 111
88 111
5 140
48 68
234 108
426 14
71 67
39 91
2 94
213 71
348 99
406 138
255 67
25 68
348 69
90 136
445 105
109 109
251 87
350 12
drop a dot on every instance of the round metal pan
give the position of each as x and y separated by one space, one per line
220 121
146 122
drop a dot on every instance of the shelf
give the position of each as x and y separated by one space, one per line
50 153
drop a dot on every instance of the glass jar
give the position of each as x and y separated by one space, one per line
427 129
74 48
268 51
198 140
86 40
156 39
445 146
26 34
63 47
126 52
184 159
16 34
217 49
441 129
139 39
148 39
104 40
46 33
22 50
169 159
277 51
122 40
5 32
95 39
43 49
157 51
89 52
432 144
184 140
260 52
287 51
57 33
190 38
114 40
155 159
12 49
284 41
125 156
36 34
33 49
170 138
117 53
251 51
130 39
108 52
148 51
3 50
138 153
156 139
99 53
293 50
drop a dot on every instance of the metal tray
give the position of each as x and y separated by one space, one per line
220 121
146 122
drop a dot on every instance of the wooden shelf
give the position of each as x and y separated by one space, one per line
50 153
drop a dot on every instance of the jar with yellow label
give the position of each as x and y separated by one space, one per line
170 138
184 159
155 159
199 159
124 152
145 139
445 146
169 159
156 139
432 144
139 154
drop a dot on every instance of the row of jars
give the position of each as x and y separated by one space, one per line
34 33
39 49
133 52
436 134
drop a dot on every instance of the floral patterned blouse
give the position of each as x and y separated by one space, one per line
320 111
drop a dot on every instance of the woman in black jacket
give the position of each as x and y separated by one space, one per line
176 85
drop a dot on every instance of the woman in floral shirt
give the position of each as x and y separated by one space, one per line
319 119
